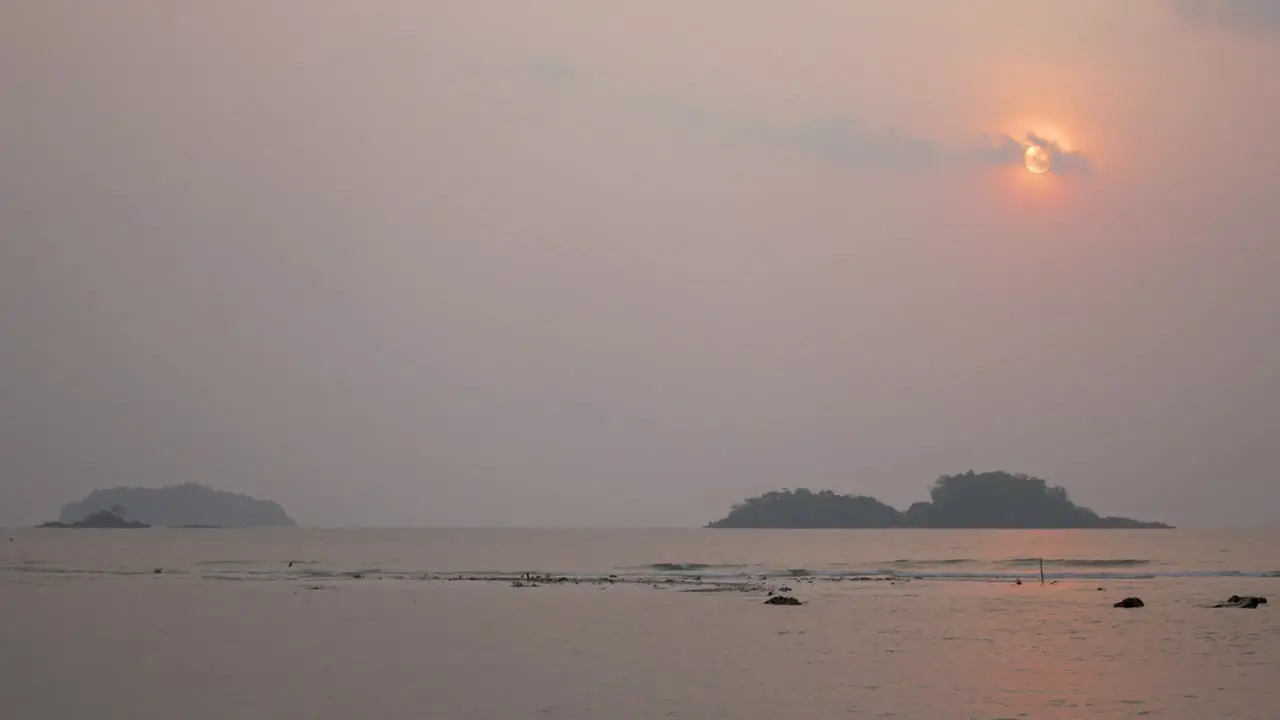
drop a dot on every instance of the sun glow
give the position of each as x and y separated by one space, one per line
1038 160
1042 140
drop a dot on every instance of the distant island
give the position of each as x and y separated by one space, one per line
103 520
179 506
968 500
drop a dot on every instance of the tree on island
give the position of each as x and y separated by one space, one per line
966 500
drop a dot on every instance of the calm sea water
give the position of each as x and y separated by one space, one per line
427 623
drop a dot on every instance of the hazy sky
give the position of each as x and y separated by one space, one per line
628 262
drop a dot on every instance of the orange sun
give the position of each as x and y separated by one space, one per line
1037 160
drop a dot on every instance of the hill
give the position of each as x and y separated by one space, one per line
968 500
178 506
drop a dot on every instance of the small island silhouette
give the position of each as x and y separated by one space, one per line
102 520
177 506
968 500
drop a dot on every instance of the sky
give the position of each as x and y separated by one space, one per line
573 263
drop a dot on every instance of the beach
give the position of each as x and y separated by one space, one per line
217 637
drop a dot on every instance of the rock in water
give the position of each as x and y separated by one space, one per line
1248 602
1130 602
782 600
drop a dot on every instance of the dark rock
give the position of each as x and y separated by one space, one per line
1130 602
782 600
1248 602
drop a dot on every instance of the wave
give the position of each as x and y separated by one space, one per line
685 567
1077 562
105 572
930 563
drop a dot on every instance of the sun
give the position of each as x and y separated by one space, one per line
1037 160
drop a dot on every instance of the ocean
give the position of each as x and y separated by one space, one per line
495 624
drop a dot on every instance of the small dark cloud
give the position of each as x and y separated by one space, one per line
851 143
1249 15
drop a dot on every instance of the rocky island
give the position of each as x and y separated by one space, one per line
102 520
188 505
968 500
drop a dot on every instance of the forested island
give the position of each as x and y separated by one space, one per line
188 505
967 500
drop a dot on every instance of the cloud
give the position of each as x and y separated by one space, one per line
1007 150
839 139
851 143
1001 150
1249 15
1061 161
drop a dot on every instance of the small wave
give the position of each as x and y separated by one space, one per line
676 567
88 572
834 574
1077 562
930 563
686 567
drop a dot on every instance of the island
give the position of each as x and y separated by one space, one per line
102 520
971 500
178 506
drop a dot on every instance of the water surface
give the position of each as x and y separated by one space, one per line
426 623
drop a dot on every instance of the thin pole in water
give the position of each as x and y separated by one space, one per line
1041 571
